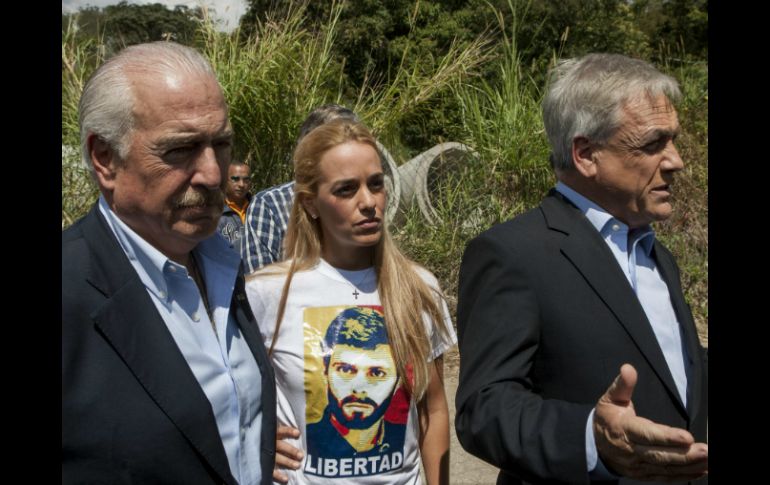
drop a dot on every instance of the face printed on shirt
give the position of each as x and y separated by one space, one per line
361 382
358 410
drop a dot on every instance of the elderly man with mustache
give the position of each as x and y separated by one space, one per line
165 378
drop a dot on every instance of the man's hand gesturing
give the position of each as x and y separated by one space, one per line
635 447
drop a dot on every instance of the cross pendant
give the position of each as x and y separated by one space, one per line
356 293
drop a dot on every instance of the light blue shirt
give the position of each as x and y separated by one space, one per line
222 363
633 252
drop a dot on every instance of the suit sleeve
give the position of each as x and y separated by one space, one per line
500 416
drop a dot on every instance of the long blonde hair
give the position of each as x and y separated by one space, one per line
405 297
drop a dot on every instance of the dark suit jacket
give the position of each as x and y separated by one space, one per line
132 410
545 319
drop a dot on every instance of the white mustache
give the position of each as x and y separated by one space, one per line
195 198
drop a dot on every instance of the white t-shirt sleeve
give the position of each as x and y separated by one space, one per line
260 296
440 342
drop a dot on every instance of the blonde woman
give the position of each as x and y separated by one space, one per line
355 329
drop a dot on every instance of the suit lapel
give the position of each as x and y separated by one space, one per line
670 275
248 325
249 329
132 325
585 249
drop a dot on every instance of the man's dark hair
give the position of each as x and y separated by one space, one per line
359 327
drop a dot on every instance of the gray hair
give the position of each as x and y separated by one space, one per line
106 105
586 96
324 114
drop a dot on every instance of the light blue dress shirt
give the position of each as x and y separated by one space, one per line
222 363
633 252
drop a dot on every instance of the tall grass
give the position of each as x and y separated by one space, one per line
274 77
271 80
686 232
79 59
502 121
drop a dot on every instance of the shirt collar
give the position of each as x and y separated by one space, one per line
218 251
606 223
141 253
157 268
234 205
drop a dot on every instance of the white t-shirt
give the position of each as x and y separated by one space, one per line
357 422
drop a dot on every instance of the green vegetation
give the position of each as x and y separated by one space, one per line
421 73
125 24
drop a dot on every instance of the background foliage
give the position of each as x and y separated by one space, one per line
420 73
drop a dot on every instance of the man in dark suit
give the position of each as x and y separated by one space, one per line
165 378
555 301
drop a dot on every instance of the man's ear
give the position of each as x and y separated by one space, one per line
584 156
104 160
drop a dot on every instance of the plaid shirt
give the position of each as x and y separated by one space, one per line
266 221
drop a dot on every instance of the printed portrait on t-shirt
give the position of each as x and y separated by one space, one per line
357 408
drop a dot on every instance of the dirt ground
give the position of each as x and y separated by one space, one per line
465 469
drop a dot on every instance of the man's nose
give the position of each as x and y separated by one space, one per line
208 171
360 393
673 162
358 384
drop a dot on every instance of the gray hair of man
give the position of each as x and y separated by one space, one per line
324 114
586 96
106 105
320 116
